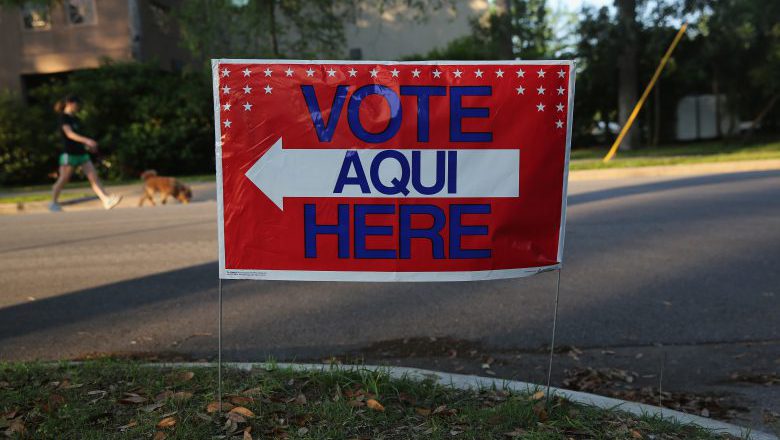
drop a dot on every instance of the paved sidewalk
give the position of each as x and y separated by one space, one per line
131 194
206 190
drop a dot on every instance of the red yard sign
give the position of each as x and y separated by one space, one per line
381 171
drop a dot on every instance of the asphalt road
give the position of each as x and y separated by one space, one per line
686 262
669 261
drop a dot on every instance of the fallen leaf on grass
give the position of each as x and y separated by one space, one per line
243 411
153 407
159 435
235 417
182 376
131 399
214 407
165 395
167 422
229 427
240 400
16 427
375 405
540 412
355 393
247 433
425 412
538 395
181 396
253 391
636 434
300 399
99 393
130 424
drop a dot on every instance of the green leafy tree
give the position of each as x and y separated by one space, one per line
515 29
260 28
277 28
740 45
596 97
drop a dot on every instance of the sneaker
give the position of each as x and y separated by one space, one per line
112 201
54 207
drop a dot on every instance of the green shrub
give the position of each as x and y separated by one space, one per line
28 148
142 118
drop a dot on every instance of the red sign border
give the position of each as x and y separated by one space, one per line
323 275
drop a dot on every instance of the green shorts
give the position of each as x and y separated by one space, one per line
73 160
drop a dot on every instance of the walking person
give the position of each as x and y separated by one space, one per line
75 153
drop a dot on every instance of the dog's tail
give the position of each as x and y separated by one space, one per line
147 174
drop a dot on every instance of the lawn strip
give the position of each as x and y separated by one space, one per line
107 399
591 158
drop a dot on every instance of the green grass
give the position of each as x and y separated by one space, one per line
590 158
108 399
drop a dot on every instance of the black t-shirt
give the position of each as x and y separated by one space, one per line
69 145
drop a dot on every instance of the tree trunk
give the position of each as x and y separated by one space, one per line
760 117
136 32
627 69
716 92
656 114
272 27
506 46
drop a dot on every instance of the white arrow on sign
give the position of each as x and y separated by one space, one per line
281 173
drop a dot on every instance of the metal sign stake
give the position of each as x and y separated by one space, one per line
552 341
219 355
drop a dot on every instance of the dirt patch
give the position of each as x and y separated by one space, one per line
424 347
769 379
613 382
140 356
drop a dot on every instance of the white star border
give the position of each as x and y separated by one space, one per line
413 72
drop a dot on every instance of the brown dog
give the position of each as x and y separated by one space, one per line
166 186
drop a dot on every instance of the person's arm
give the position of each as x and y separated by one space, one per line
72 135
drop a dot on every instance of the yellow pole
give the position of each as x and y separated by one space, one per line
641 102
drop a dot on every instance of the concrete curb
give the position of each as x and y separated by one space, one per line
676 170
464 382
